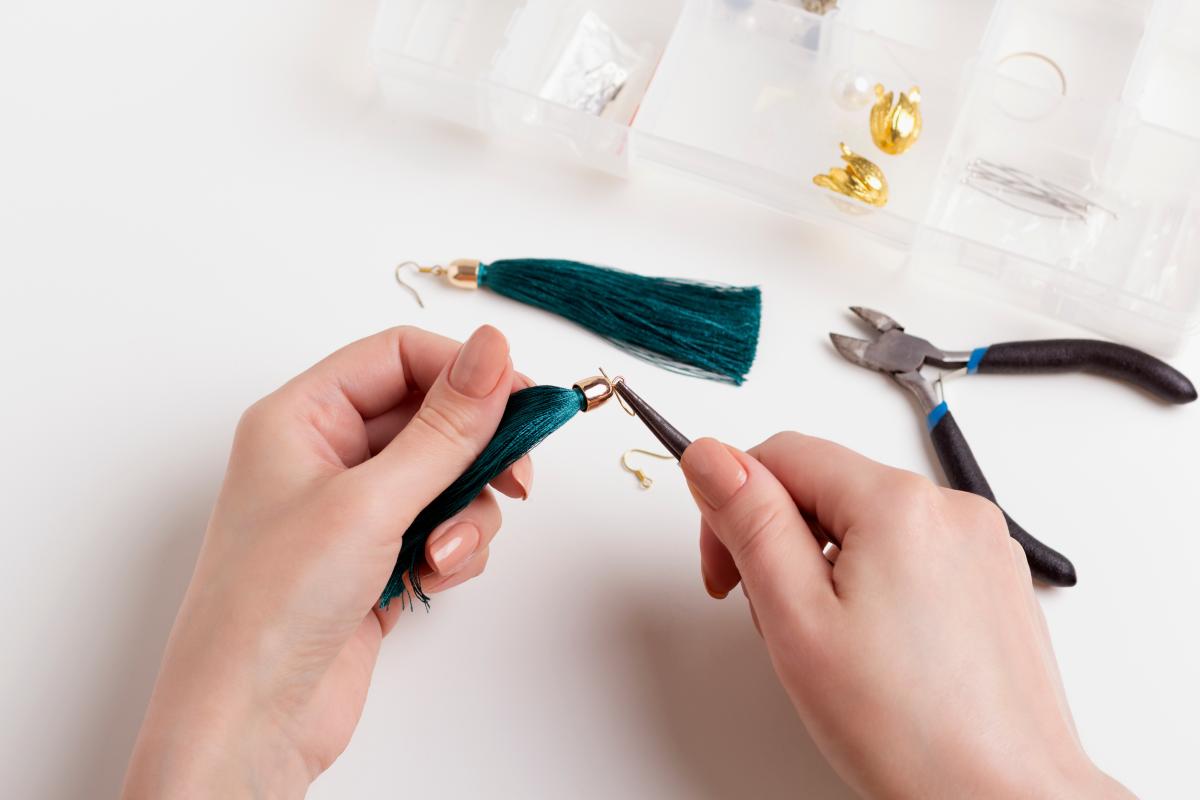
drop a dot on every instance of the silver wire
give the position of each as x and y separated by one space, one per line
1009 185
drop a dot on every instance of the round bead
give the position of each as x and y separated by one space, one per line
853 90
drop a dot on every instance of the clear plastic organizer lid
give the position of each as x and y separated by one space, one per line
1056 162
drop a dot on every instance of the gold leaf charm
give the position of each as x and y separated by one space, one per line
861 179
895 128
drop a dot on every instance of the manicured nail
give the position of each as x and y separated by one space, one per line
522 473
480 363
713 471
452 547
708 587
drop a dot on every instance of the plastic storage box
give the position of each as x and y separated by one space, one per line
1093 97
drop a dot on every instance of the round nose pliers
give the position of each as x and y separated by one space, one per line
902 356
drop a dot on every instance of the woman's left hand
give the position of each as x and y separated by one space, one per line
266 670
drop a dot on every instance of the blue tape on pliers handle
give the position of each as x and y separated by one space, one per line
973 362
936 415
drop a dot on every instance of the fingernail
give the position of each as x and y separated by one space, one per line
713 471
480 363
708 587
451 549
522 473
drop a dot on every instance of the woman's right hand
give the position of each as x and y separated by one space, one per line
920 662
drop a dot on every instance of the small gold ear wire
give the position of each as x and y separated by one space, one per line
409 287
612 384
645 480
861 179
896 128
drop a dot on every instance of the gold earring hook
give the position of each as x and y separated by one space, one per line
612 386
645 480
419 270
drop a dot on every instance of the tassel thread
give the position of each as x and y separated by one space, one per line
530 416
701 329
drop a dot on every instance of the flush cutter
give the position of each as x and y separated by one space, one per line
902 356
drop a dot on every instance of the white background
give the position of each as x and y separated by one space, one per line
199 199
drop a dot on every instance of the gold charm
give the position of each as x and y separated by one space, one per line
861 179
895 129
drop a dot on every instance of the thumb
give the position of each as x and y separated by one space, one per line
454 423
757 521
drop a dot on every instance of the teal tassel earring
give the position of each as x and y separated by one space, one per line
708 330
531 415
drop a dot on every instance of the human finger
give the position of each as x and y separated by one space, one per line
472 569
456 420
455 541
717 570
516 481
840 488
758 523
360 381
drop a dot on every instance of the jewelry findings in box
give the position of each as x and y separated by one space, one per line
861 179
852 90
896 127
594 69
1029 193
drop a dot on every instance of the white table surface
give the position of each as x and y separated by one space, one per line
199 199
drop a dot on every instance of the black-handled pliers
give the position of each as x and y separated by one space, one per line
902 355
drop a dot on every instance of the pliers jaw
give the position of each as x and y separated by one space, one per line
898 354
894 352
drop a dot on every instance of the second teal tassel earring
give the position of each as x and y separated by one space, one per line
531 415
708 330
